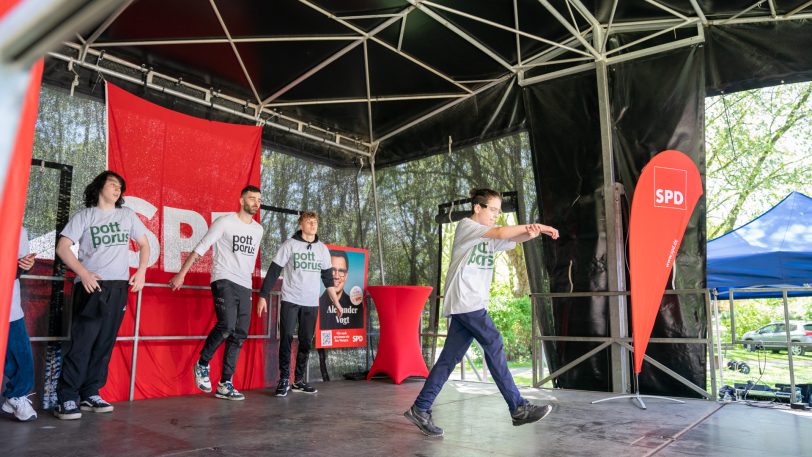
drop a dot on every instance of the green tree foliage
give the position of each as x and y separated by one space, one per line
757 148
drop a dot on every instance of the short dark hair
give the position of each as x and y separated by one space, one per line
95 187
481 196
341 254
249 188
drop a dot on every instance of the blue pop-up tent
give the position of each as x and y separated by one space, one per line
773 250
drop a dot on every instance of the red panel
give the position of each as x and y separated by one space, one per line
13 198
177 164
664 200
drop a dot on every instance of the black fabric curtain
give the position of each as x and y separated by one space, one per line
656 104
750 56
565 139
659 104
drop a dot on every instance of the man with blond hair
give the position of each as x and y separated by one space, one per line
301 260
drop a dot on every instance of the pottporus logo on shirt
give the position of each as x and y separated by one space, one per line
108 235
243 244
306 261
481 256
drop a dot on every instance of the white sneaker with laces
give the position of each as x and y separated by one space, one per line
21 408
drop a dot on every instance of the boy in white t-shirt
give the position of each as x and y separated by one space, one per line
304 262
467 293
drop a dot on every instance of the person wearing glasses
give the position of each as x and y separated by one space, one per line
467 293
328 319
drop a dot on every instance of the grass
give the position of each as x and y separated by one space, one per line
765 367
519 379
774 368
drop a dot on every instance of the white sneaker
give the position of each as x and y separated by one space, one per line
21 408
202 380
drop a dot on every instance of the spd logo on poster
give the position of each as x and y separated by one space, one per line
670 188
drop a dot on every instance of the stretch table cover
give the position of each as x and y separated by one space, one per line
399 309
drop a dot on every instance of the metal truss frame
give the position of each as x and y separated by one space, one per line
584 49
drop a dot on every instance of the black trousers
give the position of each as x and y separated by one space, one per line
232 306
96 319
290 316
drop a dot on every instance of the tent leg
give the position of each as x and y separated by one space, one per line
377 215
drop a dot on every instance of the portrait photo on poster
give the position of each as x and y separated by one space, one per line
350 279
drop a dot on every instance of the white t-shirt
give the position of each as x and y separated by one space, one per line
16 303
468 282
302 263
104 239
235 248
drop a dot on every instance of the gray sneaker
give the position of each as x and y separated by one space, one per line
423 421
202 380
529 413
226 390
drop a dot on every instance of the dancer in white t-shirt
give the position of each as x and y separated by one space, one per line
235 240
467 293
304 262
103 231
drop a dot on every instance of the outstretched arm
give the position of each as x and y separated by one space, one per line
520 233
534 230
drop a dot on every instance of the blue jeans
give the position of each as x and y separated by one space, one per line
464 328
19 366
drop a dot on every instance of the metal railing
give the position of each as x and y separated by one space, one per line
785 291
537 348
136 337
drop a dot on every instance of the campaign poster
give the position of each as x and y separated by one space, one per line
350 278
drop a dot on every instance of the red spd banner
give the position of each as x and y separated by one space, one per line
664 200
182 173
350 279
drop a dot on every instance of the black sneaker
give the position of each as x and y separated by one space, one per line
68 411
282 388
301 386
529 413
423 421
96 404
226 390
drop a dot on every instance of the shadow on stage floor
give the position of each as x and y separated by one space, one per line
365 419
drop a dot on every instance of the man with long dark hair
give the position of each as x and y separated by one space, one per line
234 240
103 231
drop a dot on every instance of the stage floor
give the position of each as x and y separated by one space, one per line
359 418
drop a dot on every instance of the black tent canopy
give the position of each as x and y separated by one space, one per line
333 80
